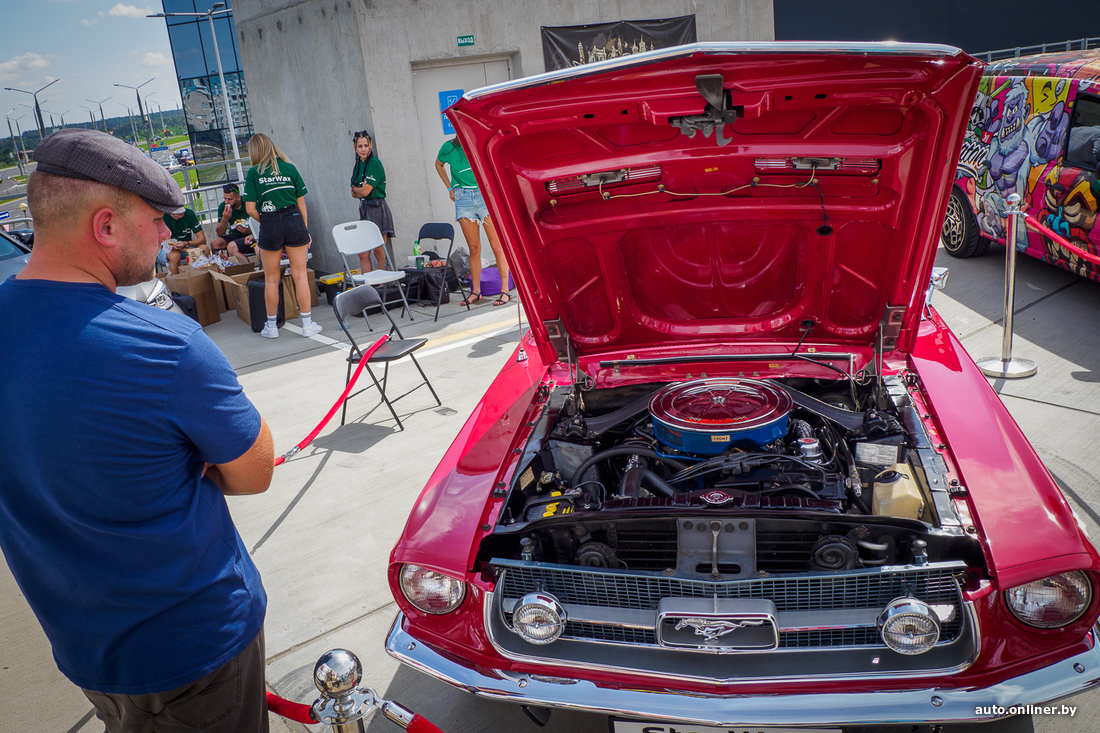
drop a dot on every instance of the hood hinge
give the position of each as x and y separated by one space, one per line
563 347
889 328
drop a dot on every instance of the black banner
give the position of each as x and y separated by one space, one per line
576 45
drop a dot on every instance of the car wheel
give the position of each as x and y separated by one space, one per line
960 235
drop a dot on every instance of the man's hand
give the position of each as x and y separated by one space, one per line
227 213
179 246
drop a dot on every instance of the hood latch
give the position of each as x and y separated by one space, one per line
718 113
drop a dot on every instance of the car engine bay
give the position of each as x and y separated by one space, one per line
727 478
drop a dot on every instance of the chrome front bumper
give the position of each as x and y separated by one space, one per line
1068 677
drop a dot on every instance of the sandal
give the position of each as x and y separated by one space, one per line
503 299
471 299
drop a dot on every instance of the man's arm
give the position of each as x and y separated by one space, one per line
251 473
200 238
223 222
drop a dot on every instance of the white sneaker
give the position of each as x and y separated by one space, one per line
270 332
312 329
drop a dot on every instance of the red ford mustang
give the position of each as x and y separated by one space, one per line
739 472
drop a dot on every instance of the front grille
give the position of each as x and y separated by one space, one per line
850 590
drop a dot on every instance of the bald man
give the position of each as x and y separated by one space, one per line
126 427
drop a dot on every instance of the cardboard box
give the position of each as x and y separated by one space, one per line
290 294
235 288
200 286
226 293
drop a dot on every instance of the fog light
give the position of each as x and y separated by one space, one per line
539 618
430 591
909 626
1051 602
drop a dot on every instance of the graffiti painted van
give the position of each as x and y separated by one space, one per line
1035 131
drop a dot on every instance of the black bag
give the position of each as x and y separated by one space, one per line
452 278
424 286
257 307
187 305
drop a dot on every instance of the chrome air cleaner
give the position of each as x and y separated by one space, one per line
706 416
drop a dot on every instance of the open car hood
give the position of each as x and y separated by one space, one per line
723 194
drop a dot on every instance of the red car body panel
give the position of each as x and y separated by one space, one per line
1005 479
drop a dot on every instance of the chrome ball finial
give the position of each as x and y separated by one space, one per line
337 673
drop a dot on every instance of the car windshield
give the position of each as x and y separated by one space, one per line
10 248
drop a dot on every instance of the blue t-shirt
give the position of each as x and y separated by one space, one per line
127 556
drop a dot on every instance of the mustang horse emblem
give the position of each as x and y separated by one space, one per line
713 628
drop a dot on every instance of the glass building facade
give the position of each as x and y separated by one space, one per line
200 88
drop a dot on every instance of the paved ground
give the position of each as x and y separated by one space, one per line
322 533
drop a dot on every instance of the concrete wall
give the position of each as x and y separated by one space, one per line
319 69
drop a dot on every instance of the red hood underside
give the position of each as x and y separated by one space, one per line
719 244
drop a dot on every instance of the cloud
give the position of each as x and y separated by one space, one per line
29 61
85 21
155 58
129 11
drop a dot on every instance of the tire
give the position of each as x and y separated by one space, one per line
960 235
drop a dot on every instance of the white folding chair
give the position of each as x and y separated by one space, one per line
354 237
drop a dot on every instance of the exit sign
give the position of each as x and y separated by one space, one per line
466 40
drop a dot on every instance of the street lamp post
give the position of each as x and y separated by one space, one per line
35 113
150 113
14 145
37 109
60 115
216 9
91 116
19 132
101 117
141 110
133 130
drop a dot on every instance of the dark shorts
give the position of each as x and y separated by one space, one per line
282 228
231 699
378 211
234 236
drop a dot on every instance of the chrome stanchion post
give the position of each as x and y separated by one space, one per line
342 703
1006 367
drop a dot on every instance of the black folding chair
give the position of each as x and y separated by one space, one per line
355 301
442 232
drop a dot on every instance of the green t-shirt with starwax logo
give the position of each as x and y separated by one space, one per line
185 228
272 191
462 176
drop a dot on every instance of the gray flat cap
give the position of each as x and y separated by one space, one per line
96 156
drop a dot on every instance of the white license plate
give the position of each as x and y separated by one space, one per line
634 726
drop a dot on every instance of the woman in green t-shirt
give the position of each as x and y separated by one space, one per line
469 209
274 195
368 184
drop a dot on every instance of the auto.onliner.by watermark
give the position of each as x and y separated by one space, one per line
1026 710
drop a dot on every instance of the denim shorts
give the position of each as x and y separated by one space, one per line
469 204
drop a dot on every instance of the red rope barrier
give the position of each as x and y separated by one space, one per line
1062 241
296 711
347 390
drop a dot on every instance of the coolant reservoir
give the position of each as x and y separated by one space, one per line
897 494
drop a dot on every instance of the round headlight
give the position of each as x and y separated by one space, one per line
431 592
1051 602
909 626
539 618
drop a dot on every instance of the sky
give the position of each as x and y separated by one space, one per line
89 45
